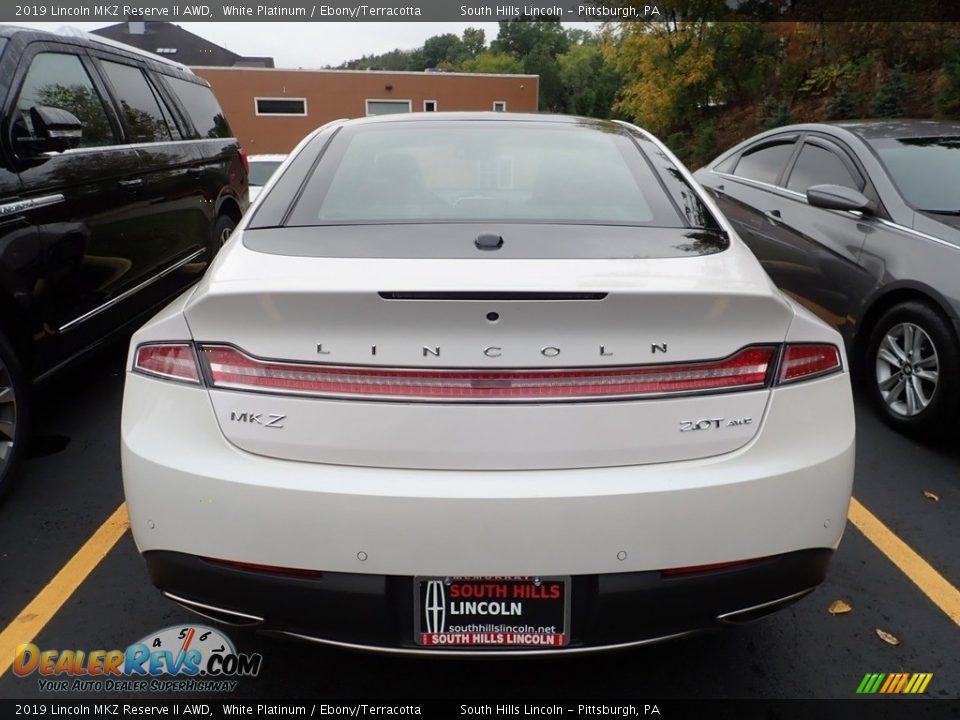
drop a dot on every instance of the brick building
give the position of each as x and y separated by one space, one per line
270 110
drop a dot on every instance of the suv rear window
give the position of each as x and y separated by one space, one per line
460 171
202 108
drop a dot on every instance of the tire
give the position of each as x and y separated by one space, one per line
221 231
912 370
13 414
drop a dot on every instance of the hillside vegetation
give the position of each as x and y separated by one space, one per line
704 86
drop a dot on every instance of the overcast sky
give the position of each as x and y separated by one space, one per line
313 45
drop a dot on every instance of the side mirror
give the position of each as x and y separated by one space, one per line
838 197
56 130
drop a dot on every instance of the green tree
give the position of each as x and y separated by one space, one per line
445 50
590 83
705 144
489 62
841 105
474 41
947 99
773 113
522 36
888 102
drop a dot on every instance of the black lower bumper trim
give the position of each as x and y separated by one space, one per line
376 611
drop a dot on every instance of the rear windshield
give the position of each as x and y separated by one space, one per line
926 170
461 171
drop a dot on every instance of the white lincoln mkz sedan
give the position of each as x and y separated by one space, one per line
479 383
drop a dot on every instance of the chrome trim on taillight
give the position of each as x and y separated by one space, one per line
237 370
190 356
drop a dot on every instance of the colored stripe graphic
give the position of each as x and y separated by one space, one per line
894 683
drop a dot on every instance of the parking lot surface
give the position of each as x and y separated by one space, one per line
71 485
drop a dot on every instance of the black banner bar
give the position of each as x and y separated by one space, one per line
65 11
894 709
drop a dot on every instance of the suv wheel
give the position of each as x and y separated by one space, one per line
13 415
221 231
913 367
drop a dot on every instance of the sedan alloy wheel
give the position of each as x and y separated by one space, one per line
912 366
908 369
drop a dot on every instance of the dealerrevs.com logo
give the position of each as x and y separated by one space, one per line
181 658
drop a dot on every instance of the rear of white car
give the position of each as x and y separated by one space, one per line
460 430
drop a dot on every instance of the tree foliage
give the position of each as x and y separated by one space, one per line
706 83
889 101
947 101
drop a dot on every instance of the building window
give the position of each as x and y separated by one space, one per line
281 106
388 107
166 51
499 105
429 105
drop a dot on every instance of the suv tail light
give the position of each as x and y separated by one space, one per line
807 361
230 368
172 361
246 162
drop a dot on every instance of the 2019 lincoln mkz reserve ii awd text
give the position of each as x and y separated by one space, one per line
480 383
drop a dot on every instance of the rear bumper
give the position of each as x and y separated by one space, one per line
377 612
190 491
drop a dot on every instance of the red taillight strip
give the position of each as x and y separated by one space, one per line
230 368
171 361
805 361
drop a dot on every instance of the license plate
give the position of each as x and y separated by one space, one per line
517 612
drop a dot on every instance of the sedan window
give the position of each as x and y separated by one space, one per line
926 170
765 163
818 166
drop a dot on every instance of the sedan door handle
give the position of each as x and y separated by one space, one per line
775 214
130 185
195 171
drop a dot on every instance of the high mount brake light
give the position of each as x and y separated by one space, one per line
231 368
172 361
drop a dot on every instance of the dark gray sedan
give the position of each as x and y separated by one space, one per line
860 222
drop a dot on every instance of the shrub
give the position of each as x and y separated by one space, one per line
888 102
704 145
773 113
841 106
947 99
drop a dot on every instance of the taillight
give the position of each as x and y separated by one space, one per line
246 162
173 361
231 368
806 361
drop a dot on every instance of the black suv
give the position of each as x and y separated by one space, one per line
119 181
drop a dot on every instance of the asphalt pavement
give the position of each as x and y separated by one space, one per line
71 484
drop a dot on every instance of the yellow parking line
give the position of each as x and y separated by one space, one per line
32 619
936 587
